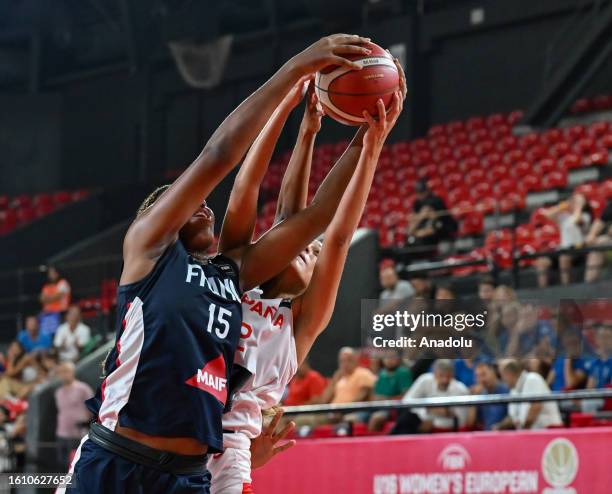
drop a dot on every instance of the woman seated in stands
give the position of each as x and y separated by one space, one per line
574 218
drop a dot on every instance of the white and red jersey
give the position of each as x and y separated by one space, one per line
267 350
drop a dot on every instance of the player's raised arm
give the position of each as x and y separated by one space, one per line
158 227
313 310
288 238
293 195
241 215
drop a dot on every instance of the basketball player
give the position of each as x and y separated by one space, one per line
282 320
159 408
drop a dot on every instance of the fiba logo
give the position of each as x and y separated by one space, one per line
560 466
454 457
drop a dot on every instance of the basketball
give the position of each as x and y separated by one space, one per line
346 93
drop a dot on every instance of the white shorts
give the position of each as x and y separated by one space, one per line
231 472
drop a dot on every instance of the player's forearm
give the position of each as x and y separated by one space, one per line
231 140
327 199
351 206
293 194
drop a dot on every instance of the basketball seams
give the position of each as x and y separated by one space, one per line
327 79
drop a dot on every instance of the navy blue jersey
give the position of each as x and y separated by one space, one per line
178 329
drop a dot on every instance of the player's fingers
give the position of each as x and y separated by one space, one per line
345 62
283 447
351 50
283 433
274 422
396 107
369 119
380 108
351 39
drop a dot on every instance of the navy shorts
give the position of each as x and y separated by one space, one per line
99 471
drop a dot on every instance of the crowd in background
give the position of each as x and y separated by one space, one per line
524 348
47 348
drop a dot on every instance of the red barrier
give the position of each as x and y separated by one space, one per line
556 461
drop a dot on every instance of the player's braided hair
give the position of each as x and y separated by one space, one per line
151 198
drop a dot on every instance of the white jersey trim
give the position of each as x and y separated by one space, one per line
117 386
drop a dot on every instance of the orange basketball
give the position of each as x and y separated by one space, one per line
345 93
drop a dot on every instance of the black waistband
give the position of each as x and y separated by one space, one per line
144 455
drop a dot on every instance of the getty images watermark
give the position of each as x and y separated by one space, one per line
427 327
441 326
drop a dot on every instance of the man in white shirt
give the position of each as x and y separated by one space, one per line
71 336
439 383
536 415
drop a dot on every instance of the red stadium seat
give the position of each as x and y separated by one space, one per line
484 147
570 162
574 132
507 143
582 105
462 207
458 138
554 180
537 152
585 145
475 123
598 129
475 176
486 205
448 166
559 150
552 136
471 224
498 172
491 160
455 196
452 180
597 158
532 183
528 140
454 127
546 165
514 117
500 131
470 163
463 151
481 190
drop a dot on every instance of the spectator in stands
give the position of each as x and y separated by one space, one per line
574 218
305 387
12 441
395 294
599 369
430 221
568 369
20 375
522 331
536 415
439 383
72 336
422 286
350 382
445 291
31 338
487 383
395 291
393 381
72 414
599 234
55 294
501 297
486 289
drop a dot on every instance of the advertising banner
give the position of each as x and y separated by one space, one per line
555 461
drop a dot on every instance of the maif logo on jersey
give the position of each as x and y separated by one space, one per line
212 379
